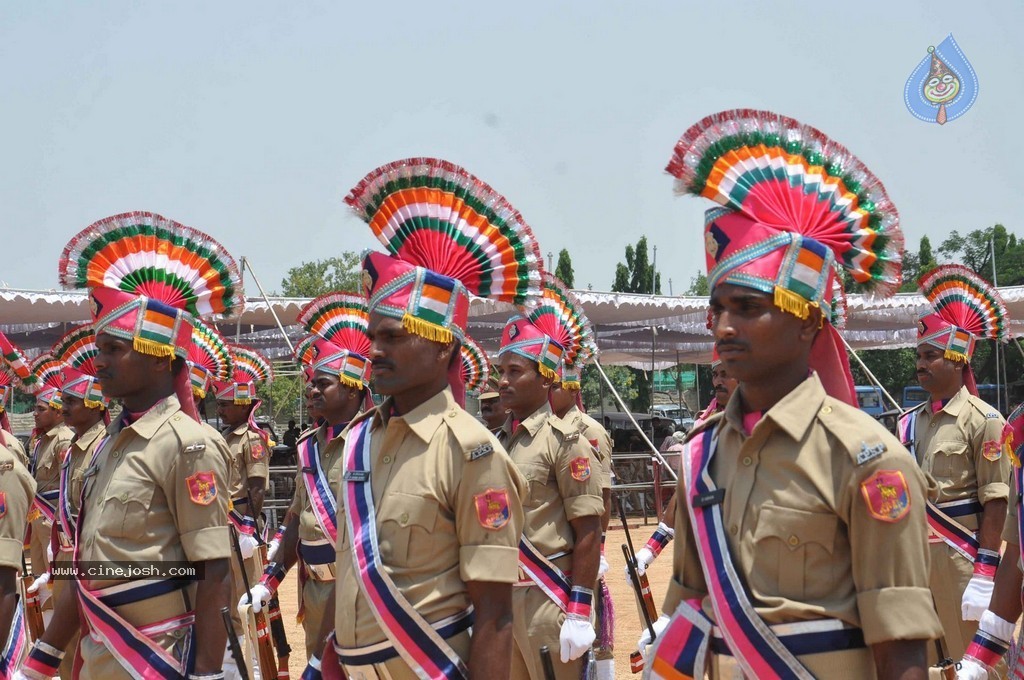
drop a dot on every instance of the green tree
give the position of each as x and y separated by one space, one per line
563 270
894 368
311 279
281 396
592 386
699 286
637 275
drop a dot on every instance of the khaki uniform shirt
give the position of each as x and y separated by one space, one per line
48 454
598 438
17 489
959 447
14 445
250 458
802 529
330 459
563 476
156 493
430 471
78 457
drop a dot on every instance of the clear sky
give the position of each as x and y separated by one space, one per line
252 120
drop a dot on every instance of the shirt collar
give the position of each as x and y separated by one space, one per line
151 420
91 435
423 420
956 402
793 414
241 429
533 421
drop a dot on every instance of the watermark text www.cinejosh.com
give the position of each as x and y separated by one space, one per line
127 570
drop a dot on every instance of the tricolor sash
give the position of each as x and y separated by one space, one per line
68 523
244 524
681 651
419 645
941 525
321 497
46 503
544 573
131 647
17 643
751 641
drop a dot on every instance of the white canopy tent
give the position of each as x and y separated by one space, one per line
624 322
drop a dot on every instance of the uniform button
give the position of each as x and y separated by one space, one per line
734 530
747 460
117 454
932 425
452 414
176 417
404 519
124 497
386 459
826 410
794 541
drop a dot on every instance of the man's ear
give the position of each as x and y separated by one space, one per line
810 326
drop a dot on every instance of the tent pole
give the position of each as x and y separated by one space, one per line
273 311
238 321
871 375
639 429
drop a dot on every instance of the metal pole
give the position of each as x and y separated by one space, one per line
871 376
639 429
238 321
1000 382
280 326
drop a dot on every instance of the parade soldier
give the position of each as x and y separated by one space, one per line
17 489
85 412
50 442
567 404
429 510
995 634
155 491
250 462
560 550
800 522
492 413
13 365
955 437
340 371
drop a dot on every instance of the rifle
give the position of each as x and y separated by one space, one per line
546 664
264 646
277 631
33 611
236 649
641 588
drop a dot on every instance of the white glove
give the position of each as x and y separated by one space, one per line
576 637
644 557
602 567
18 675
260 597
49 552
272 549
645 639
971 670
247 546
39 585
976 598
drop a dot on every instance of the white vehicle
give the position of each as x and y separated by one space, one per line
680 415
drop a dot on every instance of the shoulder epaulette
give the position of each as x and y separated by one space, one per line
983 407
474 439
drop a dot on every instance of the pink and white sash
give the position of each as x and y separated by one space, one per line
17 643
321 496
549 578
419 645
753 644
941 526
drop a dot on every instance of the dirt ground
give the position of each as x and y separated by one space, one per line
627 624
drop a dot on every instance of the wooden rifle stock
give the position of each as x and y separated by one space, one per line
33 610
277 631
264 645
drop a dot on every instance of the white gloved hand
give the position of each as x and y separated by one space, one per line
272 549
602 567
49 552
644 557
18 675
645 639
39 585
247 545
576 637
976 598
260 597
968 669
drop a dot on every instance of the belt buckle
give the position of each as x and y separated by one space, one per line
364 672
321 572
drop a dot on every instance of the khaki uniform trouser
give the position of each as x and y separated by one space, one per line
315 601
537 621
59 584
848 664
37 551
397 669
238 589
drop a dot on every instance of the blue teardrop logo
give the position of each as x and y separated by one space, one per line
943 87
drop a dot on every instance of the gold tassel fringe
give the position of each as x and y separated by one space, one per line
152 347
427 330
956 356
788 301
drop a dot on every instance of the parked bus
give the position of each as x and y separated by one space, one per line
991 394
870 400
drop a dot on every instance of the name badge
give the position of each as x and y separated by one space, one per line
710 498
357 475
310 470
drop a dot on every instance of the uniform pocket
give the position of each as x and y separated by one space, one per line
125 508
951 462
406 524
537 478
793 552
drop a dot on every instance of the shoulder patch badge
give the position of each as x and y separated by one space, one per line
579 468
481 451
886 495
867 453
492 509
259 452
3 504
991 451
202 487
